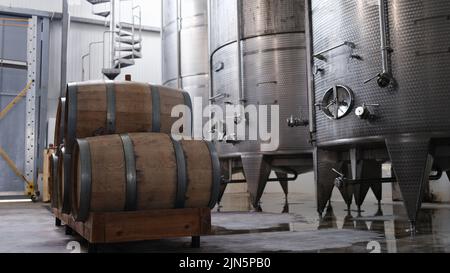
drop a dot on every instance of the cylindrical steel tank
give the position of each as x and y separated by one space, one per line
380 70
258 57
185 62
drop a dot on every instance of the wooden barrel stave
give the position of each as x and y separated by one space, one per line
60 124
54 180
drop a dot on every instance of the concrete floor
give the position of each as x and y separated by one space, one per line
29 228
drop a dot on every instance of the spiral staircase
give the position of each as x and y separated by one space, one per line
122 41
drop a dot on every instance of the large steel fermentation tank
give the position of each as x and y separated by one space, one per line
185 57
380 70
258 57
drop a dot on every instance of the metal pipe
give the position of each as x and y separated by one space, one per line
83 78
64 43
90 54
211 91
239 51
112 27
238 181
310 65
218 96
139 8
435 177
104 44
383 37
346 43
162 36
180 82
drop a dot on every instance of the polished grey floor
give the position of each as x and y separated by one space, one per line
296 227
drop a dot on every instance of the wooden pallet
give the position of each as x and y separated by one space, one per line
46 176
120 227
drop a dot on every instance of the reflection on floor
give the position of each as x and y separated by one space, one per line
29 228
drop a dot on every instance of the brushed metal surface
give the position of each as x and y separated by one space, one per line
193 57
274 66
273 70
419 34
259 17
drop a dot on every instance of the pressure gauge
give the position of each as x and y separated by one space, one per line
337 102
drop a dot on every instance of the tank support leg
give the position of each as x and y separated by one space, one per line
363 169
325 161
223 187
57 222
282 177
68 230
346 190
412 162
257 171
195 243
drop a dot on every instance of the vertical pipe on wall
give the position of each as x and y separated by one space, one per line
383 37
179 75
43 90
64 42
239 51
112 28
210 54
310 65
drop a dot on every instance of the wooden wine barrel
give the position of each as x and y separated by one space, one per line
64 181
108 107
54 181
60 125
143 171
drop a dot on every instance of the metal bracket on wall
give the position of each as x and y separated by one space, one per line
321 56
30 116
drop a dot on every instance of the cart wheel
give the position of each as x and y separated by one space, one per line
34 198
69 230
195 242
92 248
57 222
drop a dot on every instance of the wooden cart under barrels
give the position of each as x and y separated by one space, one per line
107 228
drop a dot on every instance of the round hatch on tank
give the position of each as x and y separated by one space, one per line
337 102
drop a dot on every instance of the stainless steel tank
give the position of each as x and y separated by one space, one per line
185 57
258 57
380 70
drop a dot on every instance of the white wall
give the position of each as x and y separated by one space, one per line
82 8
146 69
151 10
42 5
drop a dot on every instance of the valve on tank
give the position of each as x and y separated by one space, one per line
340 180
384 79
297 122
363 112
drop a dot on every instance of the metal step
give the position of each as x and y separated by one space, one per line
128 40
134 55
128 48
122 63
124 33
95 2
102 13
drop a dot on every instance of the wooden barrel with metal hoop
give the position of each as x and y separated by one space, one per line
63 182
143 171
98 108
54 180
60 125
